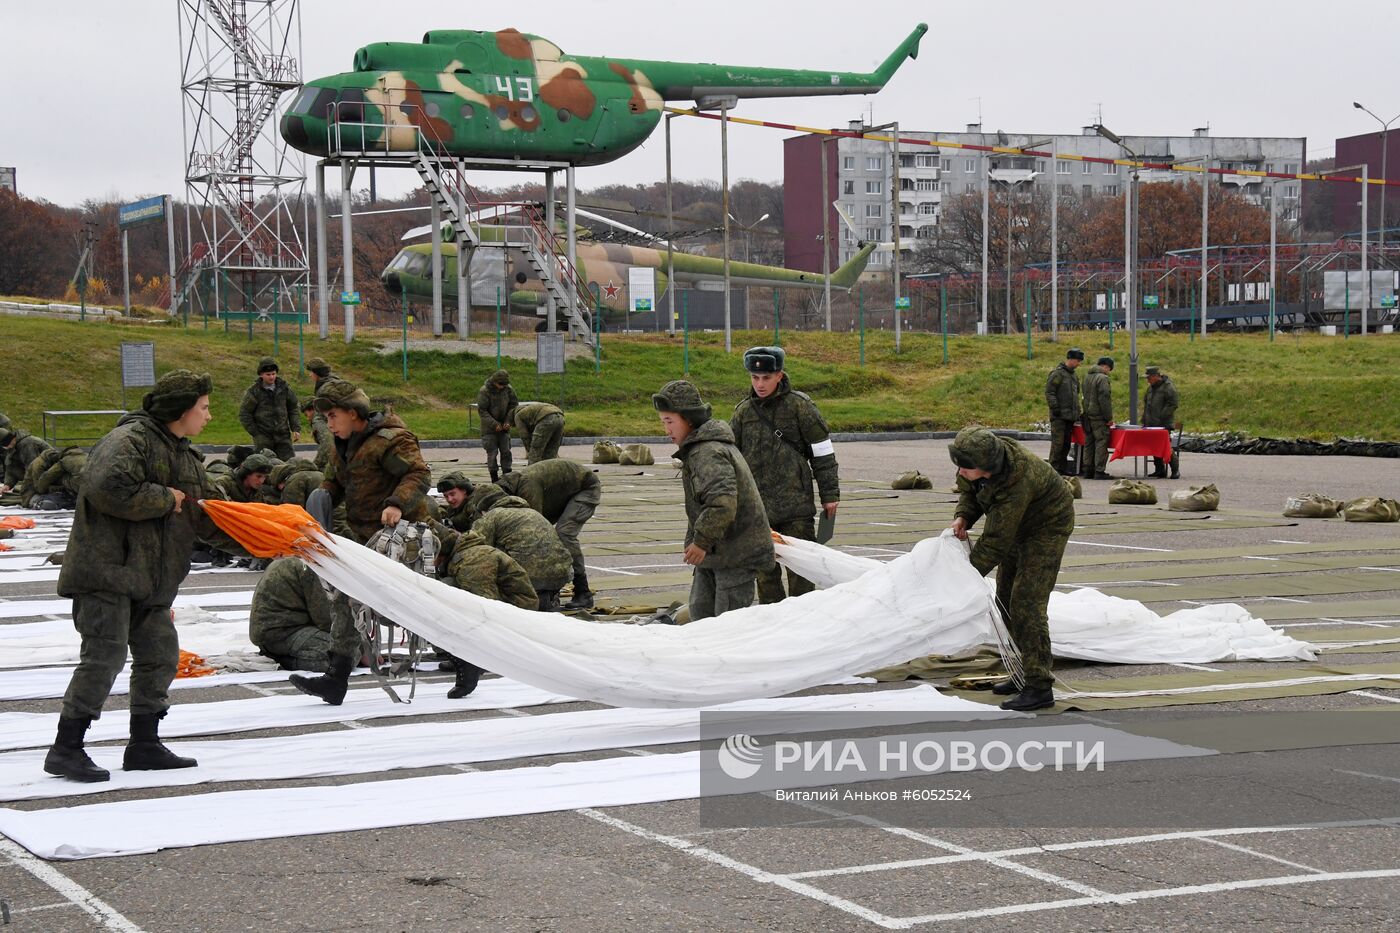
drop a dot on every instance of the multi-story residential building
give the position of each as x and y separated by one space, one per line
861 178
1367 149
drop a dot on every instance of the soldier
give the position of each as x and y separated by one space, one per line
467 562
53 479
566 493
727 539
137 519
1062 395
325 440
786 443
1030 515
1098 419
295 481
245 483
293 615
507 522
21 449
269 411
1159 411
541 429
4 423
321 374
456 488
377 469
496 404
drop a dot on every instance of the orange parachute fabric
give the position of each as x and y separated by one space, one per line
5 547
16 522
192 665
265 530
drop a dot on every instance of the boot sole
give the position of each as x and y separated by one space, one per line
312 693
1027 709
80 778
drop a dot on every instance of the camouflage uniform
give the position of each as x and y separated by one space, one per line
320 430
508 523
1062 396
231 487
295 481
541 429
1030 515
724 512
25 450
1098 415
477 567
496 407
293 616
566 493
375 468
786 443
52 480
1159 411
270 415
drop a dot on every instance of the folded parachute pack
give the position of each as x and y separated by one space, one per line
1371 509
605 452
911 479
1195 499
1132 492
1311 505
636 455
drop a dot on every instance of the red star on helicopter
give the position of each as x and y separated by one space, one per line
610 290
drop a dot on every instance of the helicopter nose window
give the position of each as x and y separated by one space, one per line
468 111
400 262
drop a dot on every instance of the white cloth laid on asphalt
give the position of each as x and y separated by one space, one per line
1094 626
438 744
929 601
56 641
33 730
50 574
29 608
44 683
132 827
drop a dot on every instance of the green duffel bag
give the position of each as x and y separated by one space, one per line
636 455
1371 509
911 479
606 452
1311 505
1132 492
1195 499
1076 488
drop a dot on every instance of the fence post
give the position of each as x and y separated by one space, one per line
860 300
777 338
943 316
498 327
685 326
404 316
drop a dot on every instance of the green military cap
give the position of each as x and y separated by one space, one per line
175 393
4 422
318 366
6 435
267 365
308 403
764 359
1106 361
1074 354
500 377
978 449
238 453
455 480
256 463
683 399
1154 370
344 395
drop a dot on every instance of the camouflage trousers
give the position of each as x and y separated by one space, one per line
1059 443
497 446
282 446
579 510
716 591
543 442
770 582
304 648
1025 580
1095 447
110 623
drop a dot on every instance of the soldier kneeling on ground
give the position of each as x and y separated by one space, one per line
456 489
566 493
293 615
507 522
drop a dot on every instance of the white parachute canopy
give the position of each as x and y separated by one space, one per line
929 601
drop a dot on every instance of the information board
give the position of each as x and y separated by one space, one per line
549 353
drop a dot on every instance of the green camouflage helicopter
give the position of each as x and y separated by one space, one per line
508 95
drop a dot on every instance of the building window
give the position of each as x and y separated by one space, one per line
946 165
874 210
874 187
969 165
848 163
928 207
926 184
874 163
1062 167
1290 191
927 161
1291 168
1110 170
1086 167
969 187
905 207
1040 166
1111 190
906 161
1088 191
848 187
872 234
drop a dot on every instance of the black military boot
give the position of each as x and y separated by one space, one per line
1006 688
583 597
331 685
145 752
1176 466
467 676
549 600
1031 698
67 759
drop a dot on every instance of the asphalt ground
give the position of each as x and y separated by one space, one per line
1290 829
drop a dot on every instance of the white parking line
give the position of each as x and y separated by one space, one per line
102 912
1126 547
1379 777
1263 855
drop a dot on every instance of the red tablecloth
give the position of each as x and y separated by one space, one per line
1140 442
1076 436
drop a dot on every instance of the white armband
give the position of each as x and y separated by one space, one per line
823 448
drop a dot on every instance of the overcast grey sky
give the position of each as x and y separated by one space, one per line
93 107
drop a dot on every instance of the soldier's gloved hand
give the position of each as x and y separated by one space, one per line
391 515
959 528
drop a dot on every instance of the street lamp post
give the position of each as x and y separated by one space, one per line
1130 268
1011 182
1385 150
748 245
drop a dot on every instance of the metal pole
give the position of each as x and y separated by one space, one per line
895 224
276 322
1054 243
170 247
1132 309
1030 350
685 326
323 288
435 219
597 335
1365 260
670 235
860 300
777 338
1273 255
1205 245
724 209
571 232
943 317
826 239
347 252
404 316
498 327
126 276
986 234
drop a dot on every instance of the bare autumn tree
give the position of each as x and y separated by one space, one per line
35 245
1169 218
958 244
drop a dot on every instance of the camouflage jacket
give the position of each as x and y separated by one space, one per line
477 567
458 519
509 524
784 466
1159 408
496 407
378 467
550 484
724 513
126 537
1062 394
270 412
51 471
532 413
231 487
1098 395
1027 498
325 442
298 479
290 596
27 448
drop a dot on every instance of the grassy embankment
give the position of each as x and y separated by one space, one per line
1306 386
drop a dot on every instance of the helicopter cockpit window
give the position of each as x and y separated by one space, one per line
303 102
351 108
400 262
418 264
